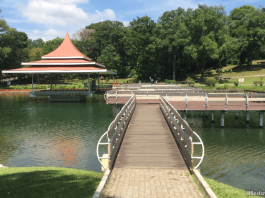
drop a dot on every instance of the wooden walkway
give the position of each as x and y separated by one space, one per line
149 163
148 142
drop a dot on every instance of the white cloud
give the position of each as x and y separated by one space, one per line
63 13
36 31
126 23
45 34
54 12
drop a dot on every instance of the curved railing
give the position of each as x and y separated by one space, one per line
116 132
182 132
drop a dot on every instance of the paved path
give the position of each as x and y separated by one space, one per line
156 183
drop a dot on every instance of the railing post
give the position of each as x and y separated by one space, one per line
116 96
246 101
226 102
186 101
206 101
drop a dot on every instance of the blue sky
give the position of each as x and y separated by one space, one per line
49 19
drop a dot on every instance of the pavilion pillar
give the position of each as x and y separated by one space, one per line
32 82
98 89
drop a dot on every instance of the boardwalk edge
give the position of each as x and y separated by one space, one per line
206 188
98 193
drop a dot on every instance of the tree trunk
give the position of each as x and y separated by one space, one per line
250 60
174 64
202 75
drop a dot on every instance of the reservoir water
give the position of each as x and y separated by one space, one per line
34 132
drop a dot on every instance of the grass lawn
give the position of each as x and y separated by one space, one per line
225 191
50 182
252 88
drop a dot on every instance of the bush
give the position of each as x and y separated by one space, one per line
169 81
261 83
255 83
236 83
225 86
190 83
210 82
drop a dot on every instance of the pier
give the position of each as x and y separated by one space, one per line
191 99
149 142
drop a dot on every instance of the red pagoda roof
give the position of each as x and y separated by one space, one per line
65 50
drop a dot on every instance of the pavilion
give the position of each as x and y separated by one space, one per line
66 59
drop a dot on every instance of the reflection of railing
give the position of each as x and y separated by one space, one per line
116 132
182 132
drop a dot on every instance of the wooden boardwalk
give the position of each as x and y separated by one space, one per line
148 142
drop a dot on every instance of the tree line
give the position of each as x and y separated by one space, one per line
181 42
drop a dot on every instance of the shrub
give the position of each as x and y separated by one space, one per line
210 82
225 86
255 83
261 83
190 83
219 71
169 81
107 79
236 83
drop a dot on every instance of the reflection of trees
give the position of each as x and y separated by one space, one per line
67 151
8 146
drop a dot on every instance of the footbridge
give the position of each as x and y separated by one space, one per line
149 135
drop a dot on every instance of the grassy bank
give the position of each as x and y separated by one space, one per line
47 182
225 191
253 88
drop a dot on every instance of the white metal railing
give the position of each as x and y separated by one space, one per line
116 131
182 132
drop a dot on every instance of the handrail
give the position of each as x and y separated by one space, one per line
115 130
182 132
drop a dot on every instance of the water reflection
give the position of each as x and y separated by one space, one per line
235 154
34 132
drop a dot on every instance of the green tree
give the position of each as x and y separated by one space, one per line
13 43
248 27
108 35
207 33
140 48
51 45
35 53
171 38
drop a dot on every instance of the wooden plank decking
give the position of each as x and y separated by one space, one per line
148 142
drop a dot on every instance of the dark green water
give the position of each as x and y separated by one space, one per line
38 133
235 154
